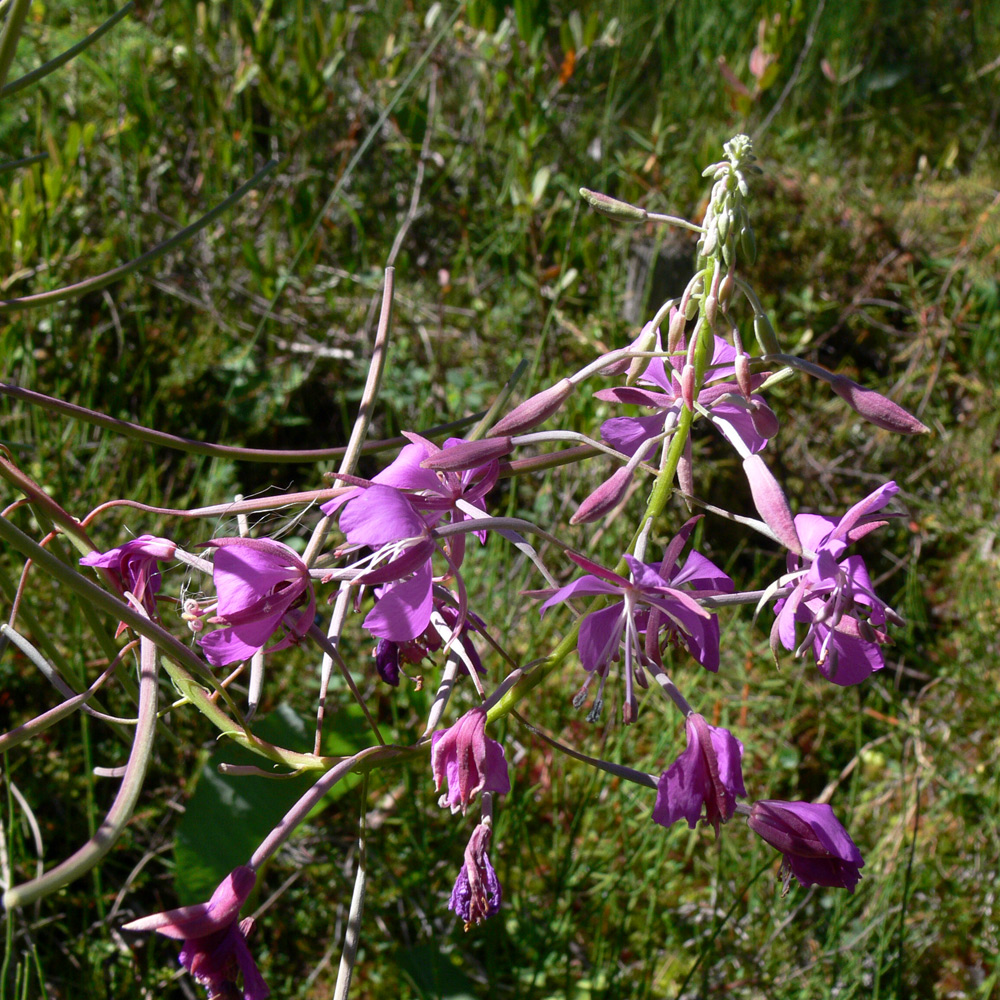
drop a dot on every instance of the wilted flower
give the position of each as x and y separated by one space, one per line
468 760
477 894
215 947
261 586
817 849
135 566
834 596
707 774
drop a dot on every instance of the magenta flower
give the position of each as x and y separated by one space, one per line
215 947
817 849
753 422
706 775
390 655
468 760
262 586
652 599
384 519
477 894
135 566
833 596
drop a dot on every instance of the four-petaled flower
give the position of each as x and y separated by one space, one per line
135 566
817 849
465 757
707 774
651 600
477 893
833 596
215 947
262 586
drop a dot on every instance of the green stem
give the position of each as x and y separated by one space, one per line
11 35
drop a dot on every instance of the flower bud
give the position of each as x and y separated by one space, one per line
748 244
533 411
765 423
646 341
876 408
468 455
620 211
771 503
765 334
605 498
675 332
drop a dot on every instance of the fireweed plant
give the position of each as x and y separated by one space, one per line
391 556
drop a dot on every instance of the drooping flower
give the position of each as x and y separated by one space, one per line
470 762
833 596
262 586
707 774
477 893
817 849
651 600
215 947
135 564
720 395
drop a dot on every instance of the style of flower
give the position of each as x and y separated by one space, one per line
215 947
262 586
833 596
750 420
135 565
707 774
652 600
817 849
470 762
477 893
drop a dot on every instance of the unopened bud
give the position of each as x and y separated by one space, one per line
765 334
646 341
876 408
675 332
534 410
620 211
748 244
605 498
742 365
468 455
771 503
687 385
726 289
765 423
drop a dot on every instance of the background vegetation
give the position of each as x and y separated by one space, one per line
452 138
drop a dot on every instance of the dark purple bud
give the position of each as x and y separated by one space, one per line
387 661
468 455
534 411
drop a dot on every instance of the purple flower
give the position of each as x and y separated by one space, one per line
384 519
721 395
477 894
833 595
215 948
651 600
135 566
262 586
817 849
707 774
468 760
